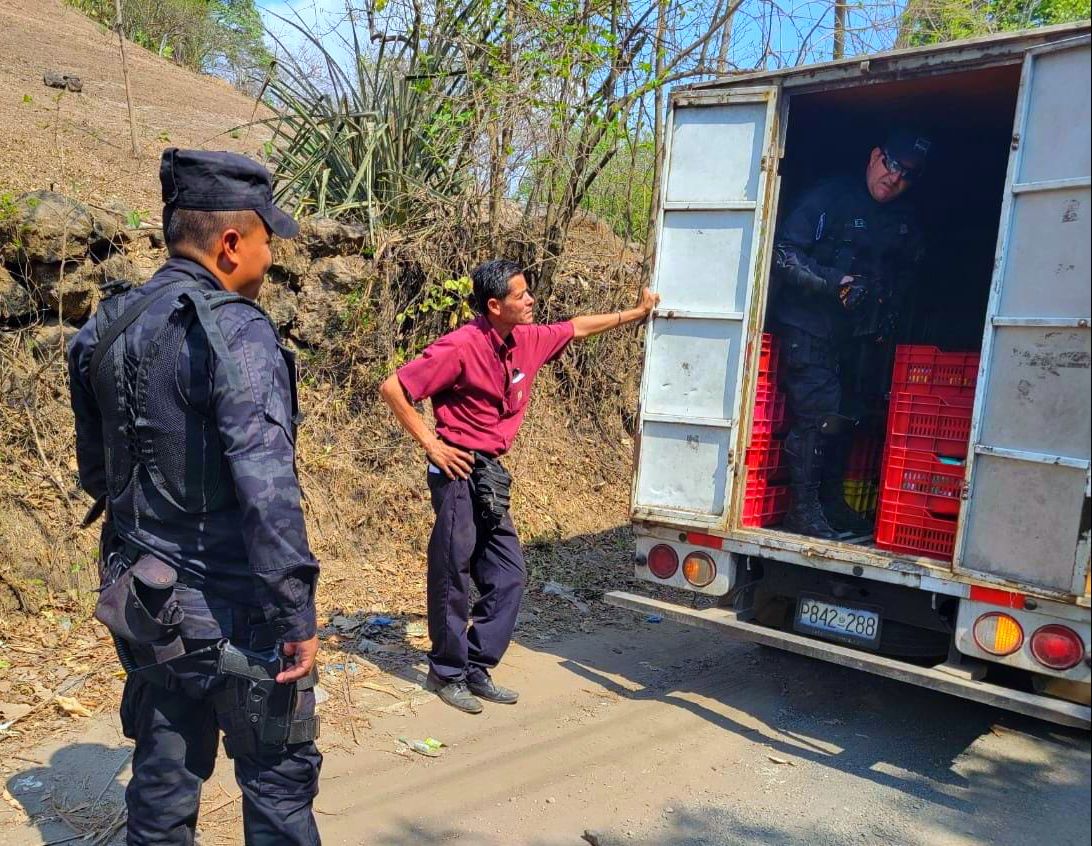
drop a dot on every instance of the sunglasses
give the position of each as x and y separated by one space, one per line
896 167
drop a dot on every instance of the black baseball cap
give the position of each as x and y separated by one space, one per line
909 148
208 180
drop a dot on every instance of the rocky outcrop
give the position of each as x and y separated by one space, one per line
16 304
321 236
44 226
58 253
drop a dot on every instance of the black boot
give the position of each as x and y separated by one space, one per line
804 455
837 511
805 516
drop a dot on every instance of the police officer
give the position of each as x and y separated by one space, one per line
185 408
845 256
479 379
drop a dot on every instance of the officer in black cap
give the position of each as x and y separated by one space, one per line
845 256
185 406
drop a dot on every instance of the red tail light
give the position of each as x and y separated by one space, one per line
1057 647
663 561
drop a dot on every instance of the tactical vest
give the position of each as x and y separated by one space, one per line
147 423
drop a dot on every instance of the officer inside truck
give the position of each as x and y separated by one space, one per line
845 255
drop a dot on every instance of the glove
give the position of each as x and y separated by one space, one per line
852 294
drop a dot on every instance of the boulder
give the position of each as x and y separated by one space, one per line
48 336
47 227
110 223
71 293
15 301
280 302
323 236
111 268
318 314
321 301
342 274
290 259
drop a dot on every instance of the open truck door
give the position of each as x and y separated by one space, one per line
1026 515
717 182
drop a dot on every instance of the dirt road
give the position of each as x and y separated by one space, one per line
659 735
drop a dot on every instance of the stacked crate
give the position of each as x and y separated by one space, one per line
928 433
766 497
861 485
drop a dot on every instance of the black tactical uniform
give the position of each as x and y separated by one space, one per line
185 407
836 229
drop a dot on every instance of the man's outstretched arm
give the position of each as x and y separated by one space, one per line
592 324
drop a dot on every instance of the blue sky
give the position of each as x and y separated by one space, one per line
786 33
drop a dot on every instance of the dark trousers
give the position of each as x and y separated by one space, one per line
818 439
462 548
176 729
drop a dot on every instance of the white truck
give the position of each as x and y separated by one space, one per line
1006 204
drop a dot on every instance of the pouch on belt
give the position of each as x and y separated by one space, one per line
137 604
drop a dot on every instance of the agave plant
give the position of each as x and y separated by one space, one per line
393 137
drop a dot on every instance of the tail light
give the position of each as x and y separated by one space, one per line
699 569
1057 647
997 633
663 561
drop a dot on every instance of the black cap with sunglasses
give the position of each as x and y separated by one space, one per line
906 152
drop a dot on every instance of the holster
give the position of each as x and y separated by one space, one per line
268 707
137 604
491 490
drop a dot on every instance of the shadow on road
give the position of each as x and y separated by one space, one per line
77 796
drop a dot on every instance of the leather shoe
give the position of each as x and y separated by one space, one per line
482 686
454 693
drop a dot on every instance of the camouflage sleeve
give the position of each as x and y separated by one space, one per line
90 454
256 429
796 238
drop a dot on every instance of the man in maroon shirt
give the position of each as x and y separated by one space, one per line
479 378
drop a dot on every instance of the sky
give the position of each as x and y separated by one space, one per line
787 29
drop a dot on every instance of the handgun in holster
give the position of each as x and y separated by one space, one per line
268 707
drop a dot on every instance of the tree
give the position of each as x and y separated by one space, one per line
224 37
934 21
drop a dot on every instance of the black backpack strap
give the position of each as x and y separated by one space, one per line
203 304
128 317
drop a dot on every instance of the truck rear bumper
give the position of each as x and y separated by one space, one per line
727 621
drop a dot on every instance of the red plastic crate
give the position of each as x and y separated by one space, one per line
865 457
928 370
769 357
765 458
906 528
764 504
932 424
769 410
920 480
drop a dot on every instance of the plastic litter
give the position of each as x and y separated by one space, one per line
421 747
565 592
654 618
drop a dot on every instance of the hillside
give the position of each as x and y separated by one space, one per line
80 142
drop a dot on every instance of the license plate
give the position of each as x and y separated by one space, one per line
852 624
